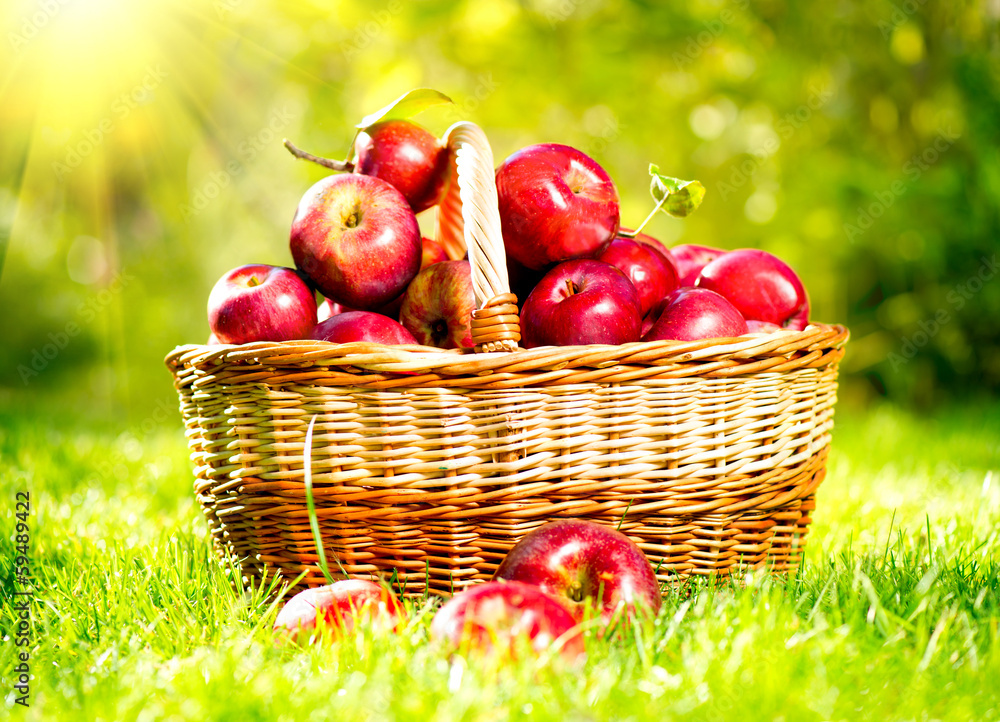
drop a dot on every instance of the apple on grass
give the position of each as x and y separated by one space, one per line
760 285
367 326
556 204
509 619
258 302
338 609
690 259
649 270
437 308
357 240
581 302
582 562
692 314
406 155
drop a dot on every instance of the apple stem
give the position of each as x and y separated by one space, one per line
637 231
338 165
571 287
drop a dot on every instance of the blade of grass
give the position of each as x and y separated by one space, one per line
310 502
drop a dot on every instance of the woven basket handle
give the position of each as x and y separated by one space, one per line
468 218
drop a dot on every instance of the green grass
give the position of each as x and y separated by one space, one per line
895 615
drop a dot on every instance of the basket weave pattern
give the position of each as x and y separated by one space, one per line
438 474
432 464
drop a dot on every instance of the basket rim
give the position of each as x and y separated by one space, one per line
825 341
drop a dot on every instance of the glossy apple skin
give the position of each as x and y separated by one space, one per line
328 308
653 243
437 308
406 155
652 274
258 302
505 617
343 605
584 562
351 326
692 314
556 204
581 302
356 239
762 327
760 285
432 252
690 259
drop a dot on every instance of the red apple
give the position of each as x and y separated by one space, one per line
582 562
653 243
437 308
433 252
406 155
690 259
649 319
581 302
556 204
505 618
760 285
328 308
342 607
690 314
362 326
649 270
356 238
261 303
762 327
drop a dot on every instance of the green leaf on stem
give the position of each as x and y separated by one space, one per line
678 198
406 105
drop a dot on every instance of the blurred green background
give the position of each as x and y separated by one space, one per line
141 158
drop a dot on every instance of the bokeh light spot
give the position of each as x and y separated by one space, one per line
707 122
760 207
87 261
908 44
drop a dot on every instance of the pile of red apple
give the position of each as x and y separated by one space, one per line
556 581
582 277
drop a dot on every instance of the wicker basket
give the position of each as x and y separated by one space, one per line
434 463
